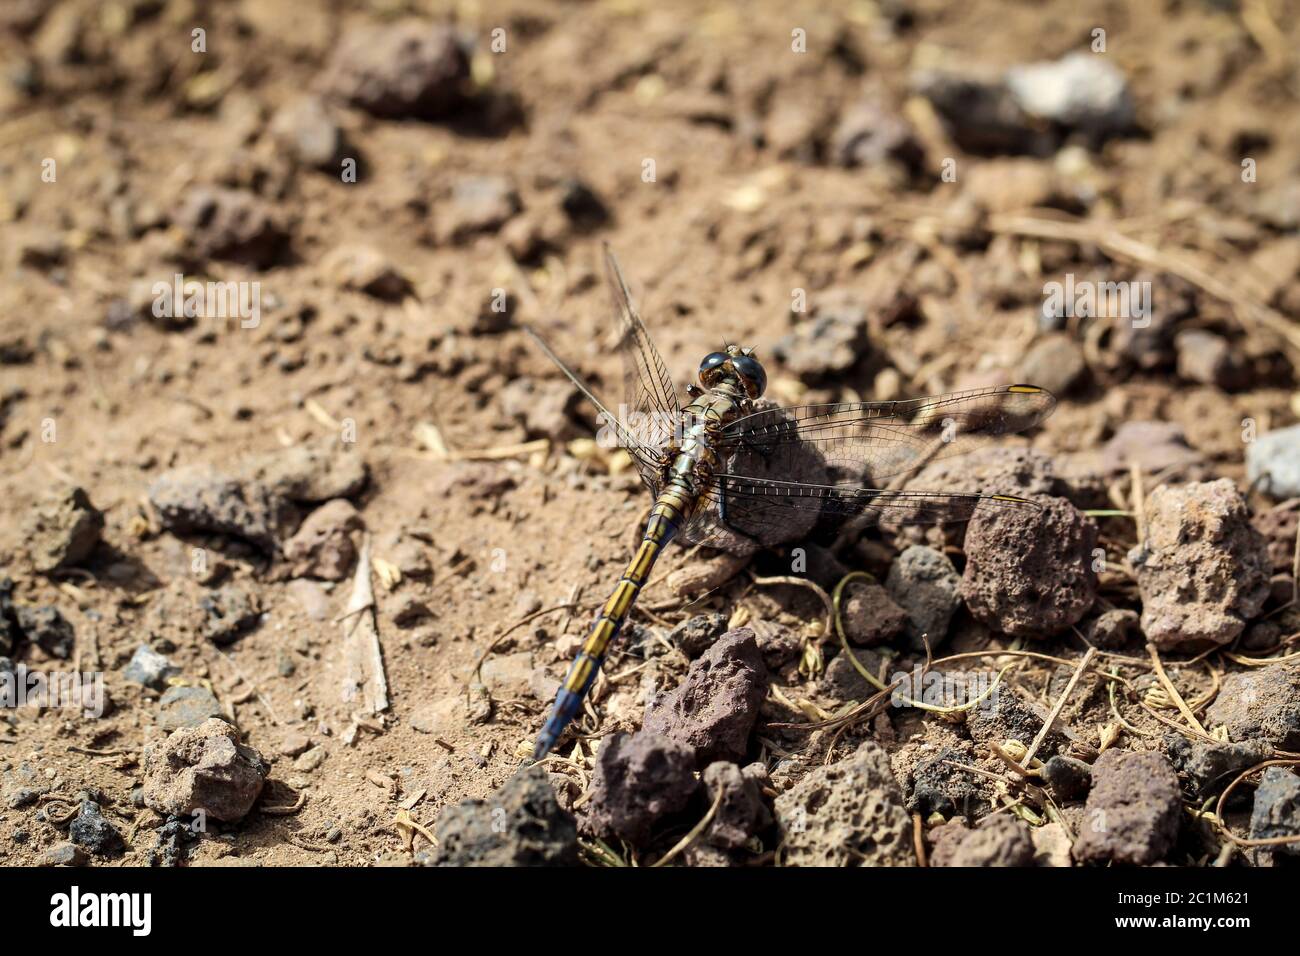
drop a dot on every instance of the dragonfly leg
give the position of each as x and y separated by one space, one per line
722 509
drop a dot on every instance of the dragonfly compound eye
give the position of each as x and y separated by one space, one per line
711 369
751 373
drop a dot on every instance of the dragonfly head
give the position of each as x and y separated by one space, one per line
736 366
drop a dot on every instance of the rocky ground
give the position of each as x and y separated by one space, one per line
332 547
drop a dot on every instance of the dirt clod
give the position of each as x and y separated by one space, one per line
64 854
1067 777
204 768
1151 446
63 530
870 616
405 69
309 473
696 635
231 612
478 204
230 224
47 628
323 546
843 682
509 675
870 134
1207 768
366 269
199 498
9 631
187 707
305 128
1112 629
829 342
1055 362
935 785
1005 715
743 812
779 645
1203 570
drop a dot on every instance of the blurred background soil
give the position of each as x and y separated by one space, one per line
875 195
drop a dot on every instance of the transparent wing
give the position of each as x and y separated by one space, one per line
651 410
782 470
869 442
773 512
649 459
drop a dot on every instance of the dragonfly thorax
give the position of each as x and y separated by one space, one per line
692 459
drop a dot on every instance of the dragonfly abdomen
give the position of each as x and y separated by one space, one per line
670 510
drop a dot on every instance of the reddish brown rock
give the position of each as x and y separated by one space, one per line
713 709
1279 527
870 615
1132 812
639 779
999 840
1029 570
742 811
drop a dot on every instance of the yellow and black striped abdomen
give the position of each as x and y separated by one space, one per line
670 511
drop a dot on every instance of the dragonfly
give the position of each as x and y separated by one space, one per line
732 470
